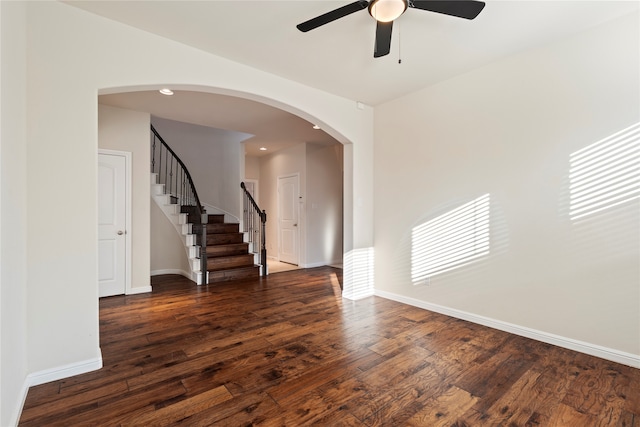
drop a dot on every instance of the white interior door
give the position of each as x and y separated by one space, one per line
112 208
288 193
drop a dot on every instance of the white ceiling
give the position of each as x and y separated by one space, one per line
338 57
268 127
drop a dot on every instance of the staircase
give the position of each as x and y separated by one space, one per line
216 249
228 256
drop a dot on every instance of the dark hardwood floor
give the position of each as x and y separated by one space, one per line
289 351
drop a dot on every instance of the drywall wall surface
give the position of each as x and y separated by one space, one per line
212 157
252 167
168 253
324 204
13 211
126 130
287 162
511 131
72 56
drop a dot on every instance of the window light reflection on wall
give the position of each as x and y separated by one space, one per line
605 173
358 273
450 240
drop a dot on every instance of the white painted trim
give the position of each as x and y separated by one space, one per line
613 355
312 265
256 189
65 371
129 201
321 264
140 290
52 374
15 417
171 271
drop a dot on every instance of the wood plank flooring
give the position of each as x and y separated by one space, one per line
287 350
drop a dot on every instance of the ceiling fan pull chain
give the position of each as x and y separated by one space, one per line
399 46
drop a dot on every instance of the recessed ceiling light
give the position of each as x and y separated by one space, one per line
166 91
263 148
316 127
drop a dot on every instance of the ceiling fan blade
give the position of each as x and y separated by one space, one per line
338 13
467 9
383 39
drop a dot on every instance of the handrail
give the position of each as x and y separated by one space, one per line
183 193
253 203
249 226
184 168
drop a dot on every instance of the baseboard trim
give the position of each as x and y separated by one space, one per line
321 264
23 398
54 374
65 371
139 290
613 355
313 265
171 271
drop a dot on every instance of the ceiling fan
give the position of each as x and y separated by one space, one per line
386 11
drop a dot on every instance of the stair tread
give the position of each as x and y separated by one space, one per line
242 267
246 254
244 246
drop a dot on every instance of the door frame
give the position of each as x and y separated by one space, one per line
256 190
299 227
127 216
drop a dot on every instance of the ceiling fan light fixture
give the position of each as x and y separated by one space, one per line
387 10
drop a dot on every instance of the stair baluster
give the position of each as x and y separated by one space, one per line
183 193
252 212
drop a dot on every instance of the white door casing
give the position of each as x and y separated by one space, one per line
252 187
288 216
113 217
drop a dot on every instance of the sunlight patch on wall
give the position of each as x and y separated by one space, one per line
605 174
450 240
358 273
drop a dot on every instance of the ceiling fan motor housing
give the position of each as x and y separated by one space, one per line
387 10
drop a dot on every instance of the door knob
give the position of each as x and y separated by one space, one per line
295 225
120 232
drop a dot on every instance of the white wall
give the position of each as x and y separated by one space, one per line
168 253
324 204
508 129
285 162
320 170
126 130
212 157
252 167
13 212
71 57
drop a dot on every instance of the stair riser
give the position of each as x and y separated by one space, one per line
222 228
223 239
226 250
216 219
226 275
229 262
